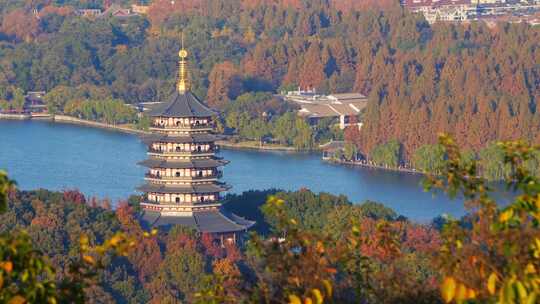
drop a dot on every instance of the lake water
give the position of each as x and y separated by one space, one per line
103 163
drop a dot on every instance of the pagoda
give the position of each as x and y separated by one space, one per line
183 181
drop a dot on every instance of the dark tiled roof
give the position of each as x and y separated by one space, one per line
182 105
194 138
203 221
195 163
153 219
348 96
334 109
333 145
203 188
432 3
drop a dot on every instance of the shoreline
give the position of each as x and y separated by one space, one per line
65 119
248 146
89 123
368 166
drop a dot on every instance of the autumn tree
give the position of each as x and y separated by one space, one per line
20 24
312 71
225 84
27 275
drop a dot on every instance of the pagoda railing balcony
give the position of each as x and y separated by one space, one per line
194 205
183 126
183 152
216 175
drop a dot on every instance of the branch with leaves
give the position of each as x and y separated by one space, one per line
496 256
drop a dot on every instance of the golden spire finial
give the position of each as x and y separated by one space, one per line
183 83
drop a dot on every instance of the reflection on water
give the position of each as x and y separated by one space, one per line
103 163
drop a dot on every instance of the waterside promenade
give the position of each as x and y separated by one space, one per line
127 128
73 120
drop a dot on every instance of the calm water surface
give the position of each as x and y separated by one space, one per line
103 163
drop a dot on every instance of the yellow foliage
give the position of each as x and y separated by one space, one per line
471 294
530 269
7 266
89 259
448 289
522 292
506 215
328 287
531 299
17 300
492 281
318 296
293 299
461 292
115 240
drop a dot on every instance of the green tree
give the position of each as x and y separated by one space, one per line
232 120
57 98
429 158
184 271
388 154
257 129
4 105
304 135
350 151
285 128
377 211
492 162
533 164
18 100
143 122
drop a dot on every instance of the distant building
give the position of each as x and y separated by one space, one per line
331 148
490 11
34 103
442 10
116 10
140 9
89 13
314 107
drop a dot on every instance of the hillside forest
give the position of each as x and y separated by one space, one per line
61 247
477 82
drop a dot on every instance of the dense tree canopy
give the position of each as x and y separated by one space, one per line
310 247
480 83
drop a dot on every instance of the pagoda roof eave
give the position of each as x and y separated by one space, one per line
182 105
218 221
191 164
194 138
186 189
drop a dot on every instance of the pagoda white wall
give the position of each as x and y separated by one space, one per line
184 198
176 122
182 172
171 147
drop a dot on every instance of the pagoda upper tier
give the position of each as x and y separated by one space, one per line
182 105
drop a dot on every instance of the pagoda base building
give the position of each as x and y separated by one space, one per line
183 180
